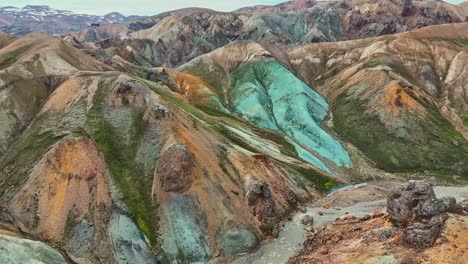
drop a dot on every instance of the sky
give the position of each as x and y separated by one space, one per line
142 7
136 7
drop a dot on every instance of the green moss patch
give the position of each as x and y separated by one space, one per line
19 161
321 182
395 67
465 120
435 146
460 44
212 74
8 59
120 159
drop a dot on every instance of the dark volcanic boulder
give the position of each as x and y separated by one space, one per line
408 8
257 190
451 206
424 234
175 167
414 207
307 220
411 201
263 206
260 199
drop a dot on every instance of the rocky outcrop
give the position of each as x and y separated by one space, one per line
129 243
414 207
415 201
412 201
408 8
374 240
19 250
263 206
174 168
259 197
307 220
425 233
412 236
236 239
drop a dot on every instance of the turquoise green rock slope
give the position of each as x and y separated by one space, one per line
269 95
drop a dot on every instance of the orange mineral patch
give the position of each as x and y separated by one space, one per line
452 248
62 96
189 82
65 185
358 241
191 86
395 97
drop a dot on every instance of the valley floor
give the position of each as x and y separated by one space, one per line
345 212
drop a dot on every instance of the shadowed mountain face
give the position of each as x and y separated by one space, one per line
106 158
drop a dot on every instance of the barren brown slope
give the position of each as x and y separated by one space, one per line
93 34
282 7
464 6
6 39
31 67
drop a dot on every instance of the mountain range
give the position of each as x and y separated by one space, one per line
194 135
44 19
174 38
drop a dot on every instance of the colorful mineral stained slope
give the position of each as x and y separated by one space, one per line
185 229
269 95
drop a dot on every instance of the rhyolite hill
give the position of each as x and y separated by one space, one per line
192 135
174 38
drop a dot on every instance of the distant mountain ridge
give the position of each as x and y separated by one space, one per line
174 38
44 19
282 7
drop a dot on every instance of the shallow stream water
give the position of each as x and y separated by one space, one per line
293 235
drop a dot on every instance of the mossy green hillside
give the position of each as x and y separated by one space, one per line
396 67
434 146
460 44
212 73
17 163
321 182
120 159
